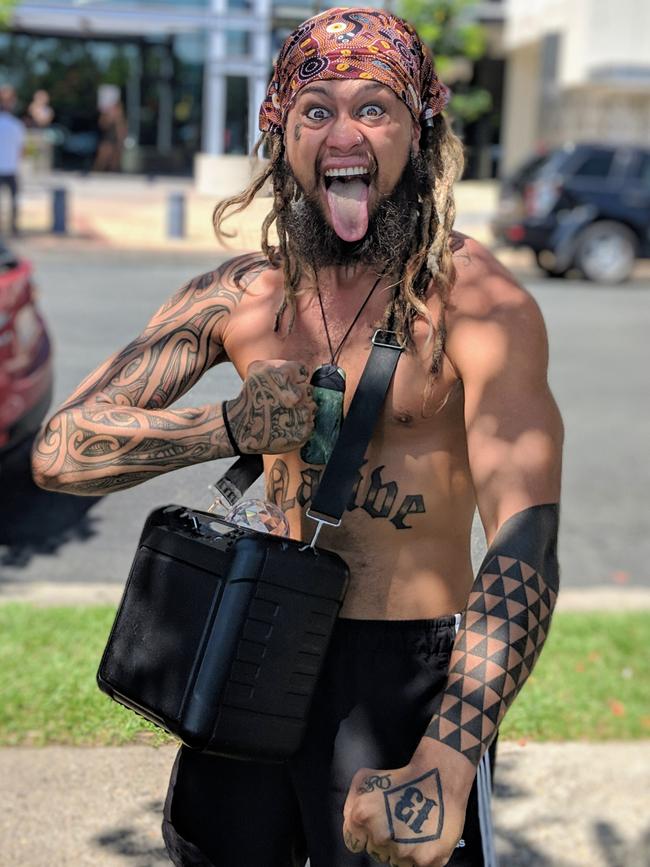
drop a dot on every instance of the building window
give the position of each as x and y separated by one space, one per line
236 136
238 43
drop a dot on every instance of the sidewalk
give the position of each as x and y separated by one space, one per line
556 805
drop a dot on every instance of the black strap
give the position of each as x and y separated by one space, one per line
340 472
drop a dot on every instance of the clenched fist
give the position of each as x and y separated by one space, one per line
412 816
274 412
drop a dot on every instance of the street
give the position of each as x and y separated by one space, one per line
95 301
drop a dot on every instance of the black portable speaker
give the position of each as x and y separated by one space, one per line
222 632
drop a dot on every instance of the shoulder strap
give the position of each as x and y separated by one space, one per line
340 472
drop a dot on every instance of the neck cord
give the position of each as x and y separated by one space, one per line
334 354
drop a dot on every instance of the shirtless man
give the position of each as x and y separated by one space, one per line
406 707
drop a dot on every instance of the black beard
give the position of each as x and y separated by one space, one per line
392 227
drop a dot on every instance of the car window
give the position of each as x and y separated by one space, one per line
596 164
642 172
555 163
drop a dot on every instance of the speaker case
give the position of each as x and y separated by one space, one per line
222 632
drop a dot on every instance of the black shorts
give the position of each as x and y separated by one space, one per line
373 703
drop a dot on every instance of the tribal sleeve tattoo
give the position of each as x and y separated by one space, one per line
502 632
116 429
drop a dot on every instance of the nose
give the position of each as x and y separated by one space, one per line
344 134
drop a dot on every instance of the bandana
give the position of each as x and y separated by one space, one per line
355 43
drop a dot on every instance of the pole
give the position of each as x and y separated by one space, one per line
176 215
59 211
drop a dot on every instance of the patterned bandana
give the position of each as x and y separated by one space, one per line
355 43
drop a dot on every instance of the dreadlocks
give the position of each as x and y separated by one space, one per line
427 258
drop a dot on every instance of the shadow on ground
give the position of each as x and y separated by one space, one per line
133 842
611 848
33 521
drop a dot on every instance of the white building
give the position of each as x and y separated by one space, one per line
191 73
577 70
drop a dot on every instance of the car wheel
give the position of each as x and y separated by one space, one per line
545 262
606 252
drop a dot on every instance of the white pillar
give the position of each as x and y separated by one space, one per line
261 57
214 86
520 133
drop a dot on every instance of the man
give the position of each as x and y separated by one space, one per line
12 138
362 165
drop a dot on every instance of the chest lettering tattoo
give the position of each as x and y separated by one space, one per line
382 499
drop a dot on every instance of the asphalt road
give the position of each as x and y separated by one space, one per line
95 301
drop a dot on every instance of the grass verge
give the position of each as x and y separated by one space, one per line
592 682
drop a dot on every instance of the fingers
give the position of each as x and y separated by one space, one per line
295 371
353 841
283 382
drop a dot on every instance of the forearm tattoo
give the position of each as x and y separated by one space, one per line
116 430
502 632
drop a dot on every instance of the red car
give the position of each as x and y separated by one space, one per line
25 356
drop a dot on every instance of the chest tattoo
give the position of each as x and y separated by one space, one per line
379 499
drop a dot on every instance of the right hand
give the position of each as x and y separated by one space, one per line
275 410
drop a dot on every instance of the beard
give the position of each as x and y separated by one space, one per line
392 226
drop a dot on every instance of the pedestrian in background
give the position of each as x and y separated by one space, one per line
112 131
39 113
12 139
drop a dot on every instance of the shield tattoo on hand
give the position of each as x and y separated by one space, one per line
415 809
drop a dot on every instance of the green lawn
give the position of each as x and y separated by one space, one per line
592 682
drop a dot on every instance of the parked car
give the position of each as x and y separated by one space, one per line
25 357
582 206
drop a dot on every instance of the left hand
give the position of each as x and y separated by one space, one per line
412 816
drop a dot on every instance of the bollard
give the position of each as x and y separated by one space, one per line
176 215
59 211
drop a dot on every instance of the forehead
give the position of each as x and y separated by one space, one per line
345 90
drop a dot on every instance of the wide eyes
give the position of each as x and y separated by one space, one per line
371 111
319 113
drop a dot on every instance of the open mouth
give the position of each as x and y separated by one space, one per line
347 190
345 175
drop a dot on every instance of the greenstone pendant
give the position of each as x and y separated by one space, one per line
328 382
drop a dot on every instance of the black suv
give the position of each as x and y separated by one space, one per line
585 206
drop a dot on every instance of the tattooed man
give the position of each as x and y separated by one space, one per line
426 657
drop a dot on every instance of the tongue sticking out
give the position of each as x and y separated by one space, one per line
348 204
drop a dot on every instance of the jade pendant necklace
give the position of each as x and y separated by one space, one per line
328 382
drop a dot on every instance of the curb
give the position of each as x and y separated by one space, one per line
600 598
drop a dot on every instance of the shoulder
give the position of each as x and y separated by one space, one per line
491 320
228 282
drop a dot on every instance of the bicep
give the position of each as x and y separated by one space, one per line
513 425
181 341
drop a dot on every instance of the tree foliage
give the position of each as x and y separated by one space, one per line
6 9
448 29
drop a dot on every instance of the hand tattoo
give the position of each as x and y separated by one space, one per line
353 844
370 784
415 809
